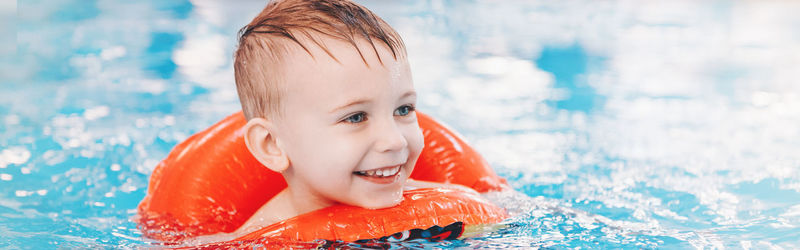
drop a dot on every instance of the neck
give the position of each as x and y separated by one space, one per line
300 201
297 198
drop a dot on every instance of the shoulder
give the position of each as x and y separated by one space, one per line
274 211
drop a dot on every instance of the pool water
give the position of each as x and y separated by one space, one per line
621 124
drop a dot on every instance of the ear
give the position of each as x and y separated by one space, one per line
264 146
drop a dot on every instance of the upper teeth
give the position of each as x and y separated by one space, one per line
381 172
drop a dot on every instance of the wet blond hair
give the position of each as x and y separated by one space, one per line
264 43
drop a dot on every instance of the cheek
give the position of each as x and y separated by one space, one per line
330 152
415 140
420 139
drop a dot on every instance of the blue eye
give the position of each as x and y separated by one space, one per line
404 110
356 118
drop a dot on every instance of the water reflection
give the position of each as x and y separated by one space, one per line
674 120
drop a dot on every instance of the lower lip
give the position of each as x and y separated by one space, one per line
382 180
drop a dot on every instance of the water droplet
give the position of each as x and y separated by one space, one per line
169 120
113 53
14 155
96 112
140 123
12 119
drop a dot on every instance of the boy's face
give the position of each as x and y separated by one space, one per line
349 130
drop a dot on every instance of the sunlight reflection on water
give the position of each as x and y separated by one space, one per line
626 124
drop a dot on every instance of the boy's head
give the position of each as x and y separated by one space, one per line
327 91
287 25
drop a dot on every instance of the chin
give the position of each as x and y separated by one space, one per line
384 202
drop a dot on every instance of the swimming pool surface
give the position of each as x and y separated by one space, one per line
623 124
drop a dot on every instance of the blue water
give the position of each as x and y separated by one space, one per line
621 124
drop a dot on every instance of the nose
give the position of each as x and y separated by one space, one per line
390 137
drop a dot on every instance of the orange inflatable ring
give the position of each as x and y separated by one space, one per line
210 184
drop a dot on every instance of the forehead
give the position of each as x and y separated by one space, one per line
324 50
335 65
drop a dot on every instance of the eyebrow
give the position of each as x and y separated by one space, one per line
349 104
362 101
409 93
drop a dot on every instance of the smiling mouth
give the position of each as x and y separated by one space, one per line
386 172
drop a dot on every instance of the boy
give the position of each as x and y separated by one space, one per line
327 91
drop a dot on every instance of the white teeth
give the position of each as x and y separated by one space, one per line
381 172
